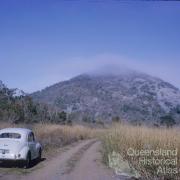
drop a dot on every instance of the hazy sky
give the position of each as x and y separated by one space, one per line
43 42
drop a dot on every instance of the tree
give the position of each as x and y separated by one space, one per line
86 119
168 121
178 109
62 116
156 125
116 119
69 122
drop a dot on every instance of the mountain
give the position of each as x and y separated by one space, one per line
129 95
17 93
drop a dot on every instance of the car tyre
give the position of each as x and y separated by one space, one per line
2 163
40 155
28 161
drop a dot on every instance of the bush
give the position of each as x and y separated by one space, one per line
116 119
168 121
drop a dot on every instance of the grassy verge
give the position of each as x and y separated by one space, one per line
53 136
151 152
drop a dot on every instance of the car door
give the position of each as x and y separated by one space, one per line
32 145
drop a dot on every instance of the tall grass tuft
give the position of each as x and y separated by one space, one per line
120 138
53 136
60 135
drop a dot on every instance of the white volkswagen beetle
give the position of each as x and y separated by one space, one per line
19 144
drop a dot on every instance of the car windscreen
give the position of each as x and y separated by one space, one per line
10 135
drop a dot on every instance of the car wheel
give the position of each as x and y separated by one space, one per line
28 161
2 163
40 155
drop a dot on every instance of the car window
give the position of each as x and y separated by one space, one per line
10 135
31 137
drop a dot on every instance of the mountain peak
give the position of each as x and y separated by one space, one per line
113 70
17 93
130 95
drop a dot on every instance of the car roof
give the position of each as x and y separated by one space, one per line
22 131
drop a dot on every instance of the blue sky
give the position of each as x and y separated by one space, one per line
43 42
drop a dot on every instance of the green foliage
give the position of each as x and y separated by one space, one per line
178 109
100 122
62 115
25 110
156 125
86 119
168 121
93 121
115 119
69 122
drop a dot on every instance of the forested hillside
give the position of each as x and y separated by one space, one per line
22 109
128 95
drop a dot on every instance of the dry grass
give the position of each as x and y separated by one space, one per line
118 138
122 137
54 136
58 135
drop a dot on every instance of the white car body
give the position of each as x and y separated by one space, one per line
16 143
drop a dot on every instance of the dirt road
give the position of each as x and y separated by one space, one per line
81 161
